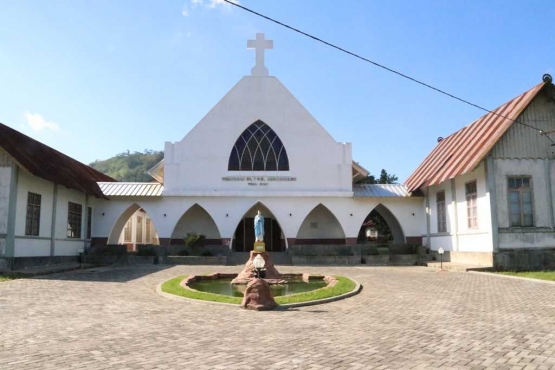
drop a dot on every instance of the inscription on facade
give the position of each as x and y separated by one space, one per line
258 180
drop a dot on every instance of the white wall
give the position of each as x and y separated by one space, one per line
459 237
290 212
196 220
36 246
319 163
320 223
33 246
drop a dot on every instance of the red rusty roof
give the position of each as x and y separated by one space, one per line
49 164
463 151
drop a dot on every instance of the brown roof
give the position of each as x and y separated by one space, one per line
463 151
49 164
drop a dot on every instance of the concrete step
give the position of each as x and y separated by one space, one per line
459 267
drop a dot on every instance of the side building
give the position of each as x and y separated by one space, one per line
489 187
47 202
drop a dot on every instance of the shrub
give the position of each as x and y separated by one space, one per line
206 254
183 253
194 240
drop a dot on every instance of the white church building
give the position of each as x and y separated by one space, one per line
483 190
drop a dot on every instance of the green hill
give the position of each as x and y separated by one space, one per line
128 166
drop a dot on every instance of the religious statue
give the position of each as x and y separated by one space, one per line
259 227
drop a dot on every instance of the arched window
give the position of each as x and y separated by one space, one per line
258 149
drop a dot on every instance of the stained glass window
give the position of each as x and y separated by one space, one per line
258 149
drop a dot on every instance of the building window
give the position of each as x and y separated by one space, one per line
32 220
258 149
441 218
472 204
520 201
74 216
148 231
139 233
89 222
127 232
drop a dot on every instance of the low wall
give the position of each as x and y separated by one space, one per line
215 250
196 260
324 250
483 259
524 259
325 260
21 263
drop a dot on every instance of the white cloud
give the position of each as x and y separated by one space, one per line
215 3
185 12
38 123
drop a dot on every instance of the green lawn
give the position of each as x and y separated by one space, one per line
542 275
344 285
5 278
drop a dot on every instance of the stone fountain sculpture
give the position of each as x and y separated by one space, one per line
258 295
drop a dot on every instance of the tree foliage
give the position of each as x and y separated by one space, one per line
384 178
129 166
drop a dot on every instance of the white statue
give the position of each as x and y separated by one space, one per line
259 227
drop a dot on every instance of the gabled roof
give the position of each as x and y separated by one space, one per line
463 151
49 164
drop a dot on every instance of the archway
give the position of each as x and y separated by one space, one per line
196 220
320 226
243 238
381 225
133 228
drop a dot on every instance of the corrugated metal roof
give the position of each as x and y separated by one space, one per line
49 164
462 151
380 190
131 189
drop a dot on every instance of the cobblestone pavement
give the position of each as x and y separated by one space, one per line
405 317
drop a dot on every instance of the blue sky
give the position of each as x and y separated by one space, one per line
97 78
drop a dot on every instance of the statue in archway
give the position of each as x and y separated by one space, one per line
259 227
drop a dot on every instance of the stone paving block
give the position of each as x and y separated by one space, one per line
404 318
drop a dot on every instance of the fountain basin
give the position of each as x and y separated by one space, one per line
221 284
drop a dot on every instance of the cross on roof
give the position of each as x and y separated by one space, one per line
260 44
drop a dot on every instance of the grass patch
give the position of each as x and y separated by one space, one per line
5 278
542 275
172 286
344 285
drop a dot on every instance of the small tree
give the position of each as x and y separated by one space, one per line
194 240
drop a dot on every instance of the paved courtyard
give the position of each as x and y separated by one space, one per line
405 317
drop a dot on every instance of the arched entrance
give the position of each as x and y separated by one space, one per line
381 226
133 228
320 226
243 238
196 220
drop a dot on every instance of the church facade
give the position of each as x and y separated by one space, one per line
484 190
260 149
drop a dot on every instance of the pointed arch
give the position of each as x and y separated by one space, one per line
243 237
196 220
258 148
141 228
320 226
393 224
